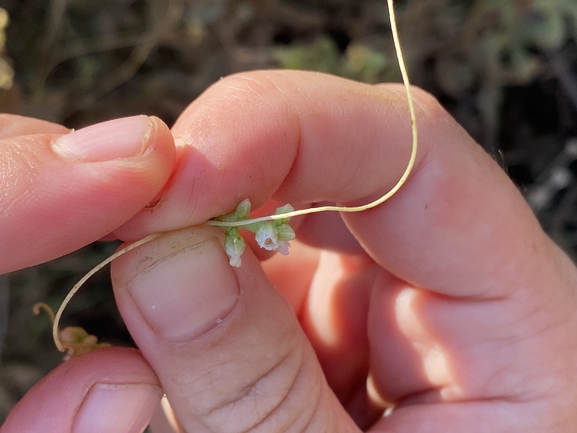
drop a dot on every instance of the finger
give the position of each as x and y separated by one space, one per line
292 275
226 346
12 125
292 136
251 133
330 294
111 389
61 192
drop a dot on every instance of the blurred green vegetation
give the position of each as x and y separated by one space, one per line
358 62
506 69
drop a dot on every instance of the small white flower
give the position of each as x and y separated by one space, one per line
274 237
267 236
235 261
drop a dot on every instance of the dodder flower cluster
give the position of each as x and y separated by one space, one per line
270 235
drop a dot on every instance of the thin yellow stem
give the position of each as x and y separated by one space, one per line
394 189
79 284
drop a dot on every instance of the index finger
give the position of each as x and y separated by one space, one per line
307 137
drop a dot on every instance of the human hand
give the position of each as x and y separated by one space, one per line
55 200
449 295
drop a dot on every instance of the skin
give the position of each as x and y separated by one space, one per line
450 296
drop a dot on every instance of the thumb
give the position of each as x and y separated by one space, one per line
228 349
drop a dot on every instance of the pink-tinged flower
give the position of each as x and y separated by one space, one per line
283 247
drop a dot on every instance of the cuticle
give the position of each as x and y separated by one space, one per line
151 264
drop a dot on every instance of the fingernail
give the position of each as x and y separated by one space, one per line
119 138
125 408
186 294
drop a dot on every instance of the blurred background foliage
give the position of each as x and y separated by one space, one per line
506 69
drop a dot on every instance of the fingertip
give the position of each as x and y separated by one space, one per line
101 411
109 389
78 187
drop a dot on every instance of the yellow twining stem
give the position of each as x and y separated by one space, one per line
79 284
394 189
